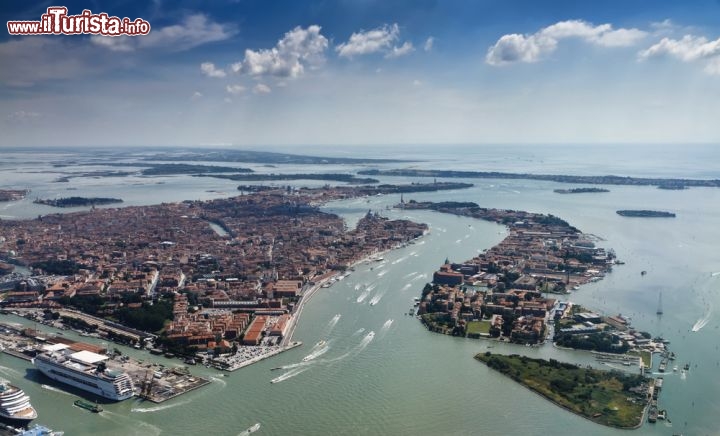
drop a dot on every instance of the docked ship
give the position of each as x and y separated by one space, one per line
84 370
15 404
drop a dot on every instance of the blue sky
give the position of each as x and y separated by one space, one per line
255 73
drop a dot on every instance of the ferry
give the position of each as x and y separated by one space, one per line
15 404
84 370
94 408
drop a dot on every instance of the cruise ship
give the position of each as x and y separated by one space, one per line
15 404
84 370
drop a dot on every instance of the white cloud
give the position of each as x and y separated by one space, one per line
416 82
261 88
209 69
429 43
298 49
235 89
376 40
197 95
403 50
515 47
689 48
115 43
193 31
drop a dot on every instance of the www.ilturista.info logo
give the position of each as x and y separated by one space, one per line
57 22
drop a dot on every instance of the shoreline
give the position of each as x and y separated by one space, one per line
635 427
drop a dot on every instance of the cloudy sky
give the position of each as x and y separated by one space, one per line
260 72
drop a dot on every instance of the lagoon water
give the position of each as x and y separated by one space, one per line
403 379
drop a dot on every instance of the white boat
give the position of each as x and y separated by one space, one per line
250 430
15 404
84 370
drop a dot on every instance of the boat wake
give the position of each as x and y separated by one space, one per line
458 241
363 296
157 408
316 352
386 325
715 274
419 277
702 322
142 428
359 331
376 299
357 287
396 261
219 381
382 273
355 350
290 374
333 322
407 276
54 389
406 287
10 371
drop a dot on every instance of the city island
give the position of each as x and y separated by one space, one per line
221 282
503 294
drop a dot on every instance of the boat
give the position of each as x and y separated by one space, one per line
250 430
190 361
320 344
94 408
15 404
84 370
40 430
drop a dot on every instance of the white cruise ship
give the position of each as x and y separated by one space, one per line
15 404
84 370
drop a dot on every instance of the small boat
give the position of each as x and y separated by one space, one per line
94 408
320 344
251 430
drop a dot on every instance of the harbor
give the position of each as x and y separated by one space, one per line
154 382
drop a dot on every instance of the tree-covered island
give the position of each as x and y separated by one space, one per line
610 398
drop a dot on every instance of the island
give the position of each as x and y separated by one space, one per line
645 214
610 398
229 276
77 201
13 194
346 178
580 190
597 180
261 157
502 292
175 169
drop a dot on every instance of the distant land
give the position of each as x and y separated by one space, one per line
262 157
12 194
171 169
597 180
78 201
646 214
580 190
610 398
346 178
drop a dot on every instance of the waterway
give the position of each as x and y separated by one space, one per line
406 380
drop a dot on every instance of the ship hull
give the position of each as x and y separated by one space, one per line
81 381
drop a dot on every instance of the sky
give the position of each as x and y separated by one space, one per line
257 73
